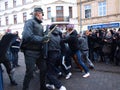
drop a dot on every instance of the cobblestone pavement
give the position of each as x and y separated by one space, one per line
104 77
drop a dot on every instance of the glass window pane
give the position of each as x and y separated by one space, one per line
102 8
87 11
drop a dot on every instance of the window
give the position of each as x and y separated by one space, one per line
6 5
6 19
102 8
59 13
70 12
87 11
15 19
49 12
24 16
14 3
23 2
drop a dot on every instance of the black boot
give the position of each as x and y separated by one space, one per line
14 83
11 76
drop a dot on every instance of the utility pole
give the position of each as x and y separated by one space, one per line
80 16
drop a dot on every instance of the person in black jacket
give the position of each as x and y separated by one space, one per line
54 52
117 52
6 55
85 50
73 43
32 43
15 49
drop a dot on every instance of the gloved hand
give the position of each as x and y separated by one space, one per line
46 38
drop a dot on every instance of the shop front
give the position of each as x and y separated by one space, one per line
100 26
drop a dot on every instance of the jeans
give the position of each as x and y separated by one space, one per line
15 58
85 55
80 61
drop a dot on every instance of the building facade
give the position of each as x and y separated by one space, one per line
13 13
93 14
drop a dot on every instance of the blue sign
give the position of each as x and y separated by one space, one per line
110 25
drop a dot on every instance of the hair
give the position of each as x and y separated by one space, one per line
70 29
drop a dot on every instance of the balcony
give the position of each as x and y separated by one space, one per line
60 19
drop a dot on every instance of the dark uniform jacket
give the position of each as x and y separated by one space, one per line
32 35
54 43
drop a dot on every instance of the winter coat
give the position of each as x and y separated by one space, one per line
32 35
83 43
72 41
5 47
16 45
54 42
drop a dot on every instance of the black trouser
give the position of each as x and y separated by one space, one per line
31 57
51 65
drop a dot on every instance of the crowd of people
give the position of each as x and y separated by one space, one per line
105 45
51 51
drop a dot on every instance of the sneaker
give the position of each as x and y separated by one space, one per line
86 75
68 75
50 86
62 88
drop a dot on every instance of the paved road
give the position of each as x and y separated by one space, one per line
104 77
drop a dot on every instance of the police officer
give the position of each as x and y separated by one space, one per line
54 52
32 40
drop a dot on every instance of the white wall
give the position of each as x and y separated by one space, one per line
53 11
11 21
2 5
18 2
10 3
3 20
19 17
66 10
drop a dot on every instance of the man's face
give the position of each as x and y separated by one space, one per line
39 15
